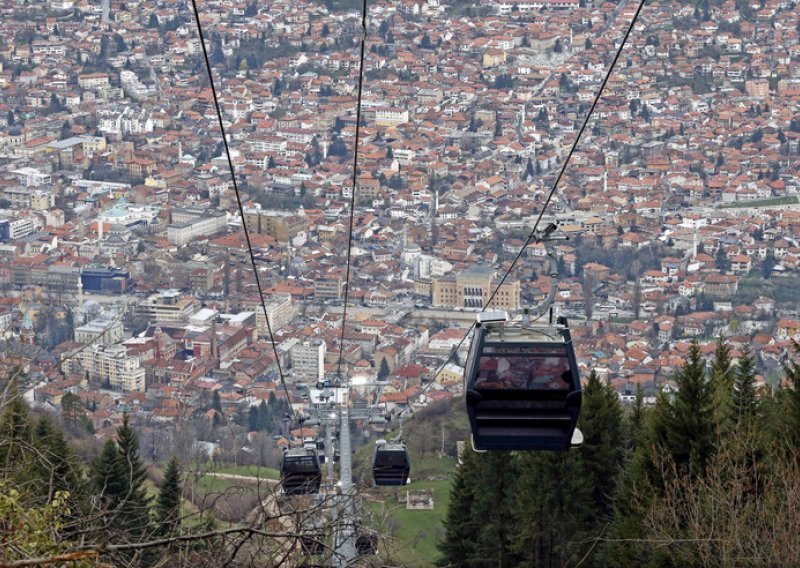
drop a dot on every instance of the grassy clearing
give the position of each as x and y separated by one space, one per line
249 471
414 534
771 202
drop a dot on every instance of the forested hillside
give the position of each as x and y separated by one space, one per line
708 476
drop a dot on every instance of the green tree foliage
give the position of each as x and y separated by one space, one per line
602 450
551 507
722 378
168 506
458 544
57 466
538 508
722 261
216 406
683 425
383 371
33 531
118 475
744 402
789 400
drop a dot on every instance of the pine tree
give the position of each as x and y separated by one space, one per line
263 417
789 400
57 464
15 432
491 509
601 425
168 506
722 377
744 403
107 475
252 419
216 406
551 507
458 544
383 371
119 476
636 420
683 426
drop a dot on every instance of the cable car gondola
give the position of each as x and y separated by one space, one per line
300 471
313 545
522 384
366 542
390 464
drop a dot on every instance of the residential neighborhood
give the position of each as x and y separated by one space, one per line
127 277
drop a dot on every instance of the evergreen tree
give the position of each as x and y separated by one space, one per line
216 406
252 419
601 425
491 510
168 506
57 465
744 403
529 171
15 433
636 424
458 544
722 377
119 476
263 417
683 426
383 371
632 500
551 507
789 400
106 474
722 261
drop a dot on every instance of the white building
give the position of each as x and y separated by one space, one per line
308 359
187 231
168 305
280 311
109 363
109 326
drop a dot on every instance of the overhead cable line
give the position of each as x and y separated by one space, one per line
533 232
355 184
241 207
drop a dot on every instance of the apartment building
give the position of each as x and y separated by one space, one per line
109 363
308 359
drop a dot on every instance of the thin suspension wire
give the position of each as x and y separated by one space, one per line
355 183
239 203
555 184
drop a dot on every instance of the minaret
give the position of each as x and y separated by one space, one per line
605 182
694 243
27 333
214 340
80 291
106 11
99 230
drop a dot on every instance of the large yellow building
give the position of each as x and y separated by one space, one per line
472 287
280 225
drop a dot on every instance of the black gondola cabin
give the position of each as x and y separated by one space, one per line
300 471
523 388
390 464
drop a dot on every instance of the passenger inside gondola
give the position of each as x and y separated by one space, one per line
514 372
